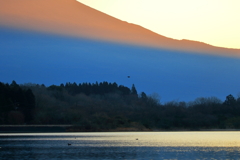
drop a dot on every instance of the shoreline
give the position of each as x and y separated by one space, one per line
33 128
72 128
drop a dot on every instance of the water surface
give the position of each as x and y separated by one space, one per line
121 145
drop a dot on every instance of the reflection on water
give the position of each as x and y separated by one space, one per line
121 145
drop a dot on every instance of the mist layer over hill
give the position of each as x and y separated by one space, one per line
42 58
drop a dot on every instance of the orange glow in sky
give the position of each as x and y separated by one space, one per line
215 22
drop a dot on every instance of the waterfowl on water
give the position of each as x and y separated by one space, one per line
69 144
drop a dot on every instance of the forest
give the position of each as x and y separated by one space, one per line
108 106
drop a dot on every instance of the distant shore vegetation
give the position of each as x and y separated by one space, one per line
108 106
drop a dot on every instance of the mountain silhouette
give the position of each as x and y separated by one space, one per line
72 18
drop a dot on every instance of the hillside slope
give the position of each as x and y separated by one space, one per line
71 18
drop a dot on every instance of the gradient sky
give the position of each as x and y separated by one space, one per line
215 22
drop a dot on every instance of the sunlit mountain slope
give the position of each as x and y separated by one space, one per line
71 18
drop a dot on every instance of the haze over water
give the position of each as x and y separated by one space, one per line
121 145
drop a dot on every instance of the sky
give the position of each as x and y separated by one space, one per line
215 22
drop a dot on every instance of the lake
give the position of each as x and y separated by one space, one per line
121 145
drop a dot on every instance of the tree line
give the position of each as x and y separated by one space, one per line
107 106
16 104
